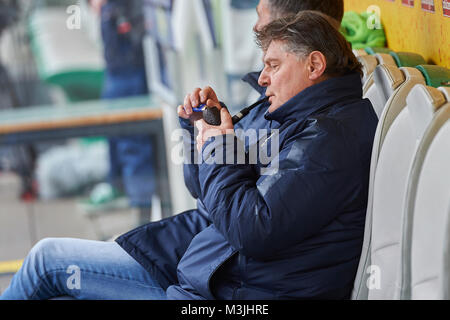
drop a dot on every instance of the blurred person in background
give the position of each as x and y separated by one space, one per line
21 159
131 157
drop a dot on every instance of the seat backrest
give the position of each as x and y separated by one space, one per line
430 219
435 76
67 58
389 83
384 58
426 228
373 94
375 50
359 52
446 92
407 59
391 182
386 79
393 107
369 63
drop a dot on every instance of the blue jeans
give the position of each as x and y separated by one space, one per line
81 269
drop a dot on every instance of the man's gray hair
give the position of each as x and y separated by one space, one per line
310 31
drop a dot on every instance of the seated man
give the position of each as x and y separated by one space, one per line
293 234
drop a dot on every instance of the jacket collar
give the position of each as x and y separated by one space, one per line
318 97
252 79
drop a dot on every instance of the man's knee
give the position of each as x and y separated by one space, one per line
44 249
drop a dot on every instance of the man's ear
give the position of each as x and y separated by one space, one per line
317 64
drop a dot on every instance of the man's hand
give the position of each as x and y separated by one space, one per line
206 131
193 100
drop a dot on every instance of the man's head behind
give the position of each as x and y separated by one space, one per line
301 51
332 8
269 10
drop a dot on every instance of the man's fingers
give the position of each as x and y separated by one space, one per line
212 103
226 119
206 131
208 93
195 97
181 112
187 104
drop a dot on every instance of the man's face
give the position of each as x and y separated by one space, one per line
264 15
284 75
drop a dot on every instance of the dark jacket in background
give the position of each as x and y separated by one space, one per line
122 26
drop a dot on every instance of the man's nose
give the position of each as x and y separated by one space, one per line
263 80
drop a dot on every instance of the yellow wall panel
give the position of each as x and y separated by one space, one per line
412 29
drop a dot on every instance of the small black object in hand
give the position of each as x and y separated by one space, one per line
212 116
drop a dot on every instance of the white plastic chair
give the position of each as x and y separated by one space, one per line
426 227
368 82
391 183
400 81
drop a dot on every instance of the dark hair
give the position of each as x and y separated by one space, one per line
332 8
310 31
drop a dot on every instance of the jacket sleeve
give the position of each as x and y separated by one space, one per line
262 215
190 166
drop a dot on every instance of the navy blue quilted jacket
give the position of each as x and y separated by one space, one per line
293 234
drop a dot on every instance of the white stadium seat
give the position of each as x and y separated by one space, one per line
380 58
391 182
369 63
384 58
400 81
426 226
